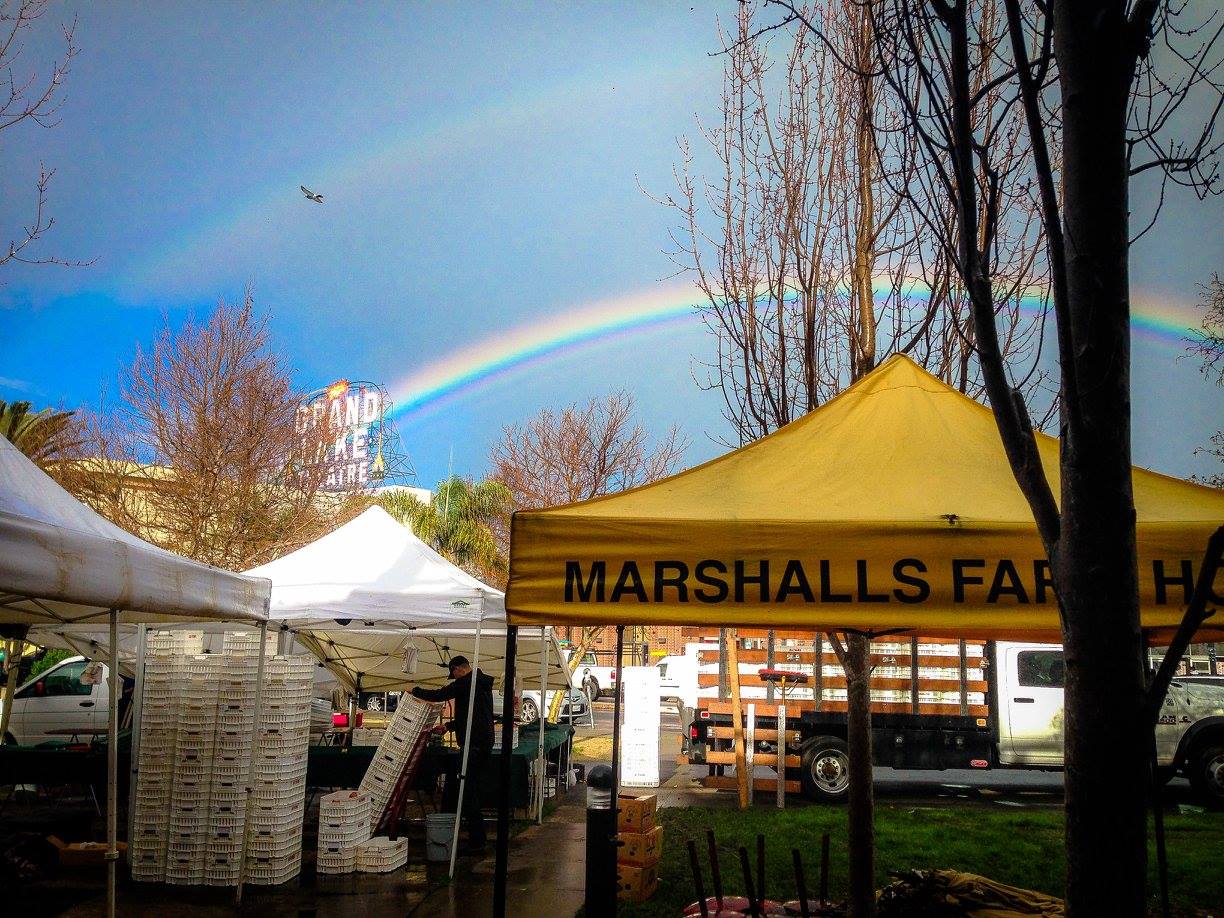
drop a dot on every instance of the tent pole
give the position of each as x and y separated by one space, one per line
540 724
256 725
502 863
112 767
616 715
137 716
467 744
12 663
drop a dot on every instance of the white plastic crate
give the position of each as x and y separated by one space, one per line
274 846
260 874
265 871
382 855
273 823
343 801
336 861
366 736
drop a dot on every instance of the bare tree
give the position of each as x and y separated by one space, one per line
812 247
29 99
1084 77
580 452
1208 345
207 455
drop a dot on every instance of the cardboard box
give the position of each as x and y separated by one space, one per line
640 849
636 884
84 854
635 814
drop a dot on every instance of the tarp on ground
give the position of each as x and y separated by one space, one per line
890 507
62 564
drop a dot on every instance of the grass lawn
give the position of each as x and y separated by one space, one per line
1019 847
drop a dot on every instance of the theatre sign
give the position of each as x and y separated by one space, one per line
362 449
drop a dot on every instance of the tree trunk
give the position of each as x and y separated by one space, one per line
861 805
1095 561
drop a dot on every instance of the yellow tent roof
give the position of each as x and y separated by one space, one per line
891 506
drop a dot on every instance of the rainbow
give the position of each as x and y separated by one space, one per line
494 359
487 362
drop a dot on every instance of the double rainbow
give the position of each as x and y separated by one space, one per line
486 363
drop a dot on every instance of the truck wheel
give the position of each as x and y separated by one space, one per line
528 712
591 687
825 770
1207 774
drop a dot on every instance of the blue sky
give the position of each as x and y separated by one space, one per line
481 165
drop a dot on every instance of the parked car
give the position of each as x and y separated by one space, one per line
57 700
573 707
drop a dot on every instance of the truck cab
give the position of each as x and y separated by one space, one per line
1029 712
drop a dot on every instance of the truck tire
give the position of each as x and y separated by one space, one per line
528 712
825 770
1206 773
591 687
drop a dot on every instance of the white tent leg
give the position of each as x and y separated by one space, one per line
256 724
12 661
137 715
467 741
112 767
540 724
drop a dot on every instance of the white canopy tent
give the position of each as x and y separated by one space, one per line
64 566
360 597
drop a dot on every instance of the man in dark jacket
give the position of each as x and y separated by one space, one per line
480 745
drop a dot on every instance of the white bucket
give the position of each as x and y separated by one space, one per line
439 832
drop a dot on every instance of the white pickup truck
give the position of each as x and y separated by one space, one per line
594 678
1010 715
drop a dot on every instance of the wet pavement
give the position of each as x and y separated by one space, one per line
546 877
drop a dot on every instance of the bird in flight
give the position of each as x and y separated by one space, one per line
317 198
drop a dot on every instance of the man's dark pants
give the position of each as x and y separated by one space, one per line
478 760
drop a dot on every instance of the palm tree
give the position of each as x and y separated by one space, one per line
44 436
462 522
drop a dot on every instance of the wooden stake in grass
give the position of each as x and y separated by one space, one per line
801 884
753 909
715 872
760 883
698 885
824 869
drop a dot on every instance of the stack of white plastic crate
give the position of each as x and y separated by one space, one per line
155 765
344 824
236 670
382 854
412 718
187 842
278 800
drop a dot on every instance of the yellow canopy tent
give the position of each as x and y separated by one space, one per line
890 507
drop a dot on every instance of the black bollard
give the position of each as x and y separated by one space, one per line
600 844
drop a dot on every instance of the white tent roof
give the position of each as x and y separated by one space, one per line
378 655
61 563
374 571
